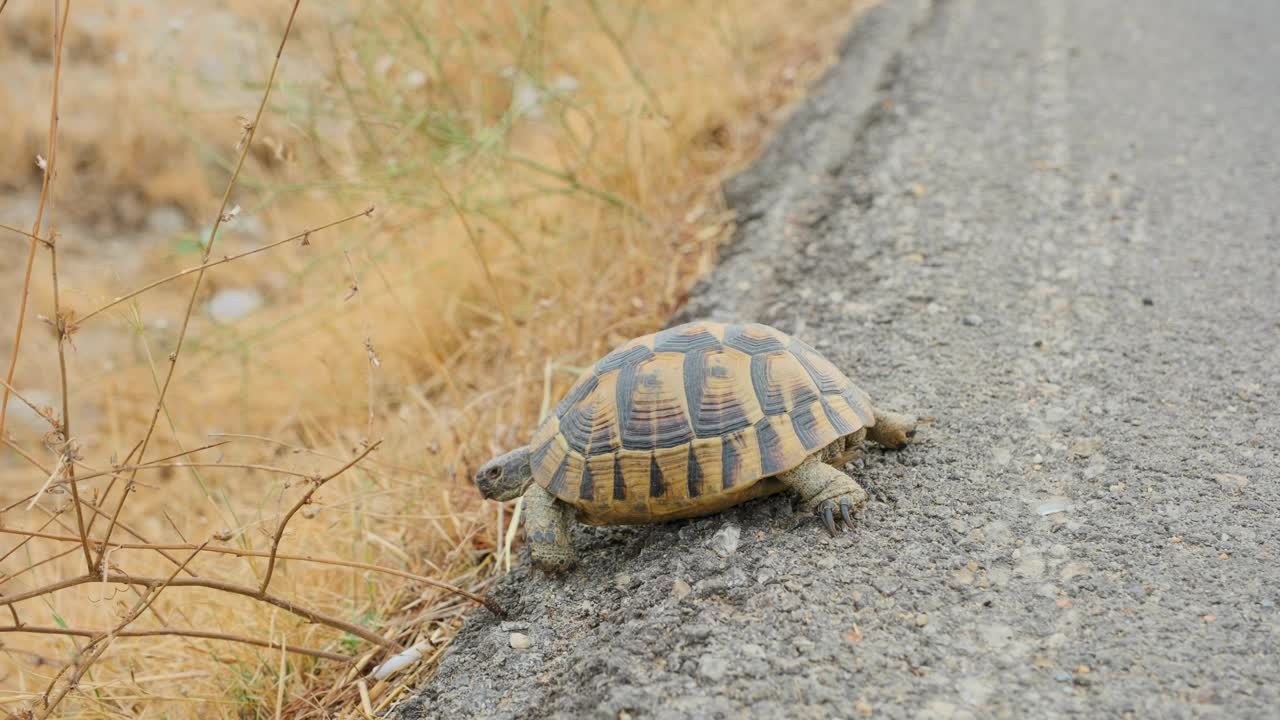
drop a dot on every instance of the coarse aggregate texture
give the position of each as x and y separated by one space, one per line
1052 225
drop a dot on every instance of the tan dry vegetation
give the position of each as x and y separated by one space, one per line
546 180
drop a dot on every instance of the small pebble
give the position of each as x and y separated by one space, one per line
1001 455
1053 506
713 668
973 320
680 589
887 585
725 542
519 641
1231 480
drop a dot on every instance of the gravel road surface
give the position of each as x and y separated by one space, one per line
1054 226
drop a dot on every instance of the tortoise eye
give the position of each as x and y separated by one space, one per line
493 473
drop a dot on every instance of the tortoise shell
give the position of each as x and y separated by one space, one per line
690 420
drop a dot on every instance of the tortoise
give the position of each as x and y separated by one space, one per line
687 422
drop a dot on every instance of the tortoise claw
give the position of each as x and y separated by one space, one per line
844 513
844 522
828 518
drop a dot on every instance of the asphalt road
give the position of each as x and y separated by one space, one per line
1053 226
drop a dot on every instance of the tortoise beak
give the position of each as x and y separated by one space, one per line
482 484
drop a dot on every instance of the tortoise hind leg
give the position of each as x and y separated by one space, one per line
826 491
892 430
547 530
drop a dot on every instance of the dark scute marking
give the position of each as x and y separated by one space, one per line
826 384
855 402
656 487
718 417
540 454
695 475
617 359
601 440
730 464
735 337
803 394
772 458
772 401
624 389
576 426
576 393
806 427
652 422
556 486
684 339
586 490
693 377
713 416
619 483
656 428
837 421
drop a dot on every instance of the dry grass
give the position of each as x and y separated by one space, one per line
546 181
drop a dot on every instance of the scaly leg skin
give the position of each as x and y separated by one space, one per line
826 491
547 531
892 430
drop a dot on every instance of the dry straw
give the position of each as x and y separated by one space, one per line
96 550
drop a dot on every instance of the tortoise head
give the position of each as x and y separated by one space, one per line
505 477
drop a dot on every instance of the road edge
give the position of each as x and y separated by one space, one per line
768 192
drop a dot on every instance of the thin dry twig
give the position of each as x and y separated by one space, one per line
100 643
247 142
48 167
311 451
99 512
178 632
304 235
212 584
18 547
372 354
25 456
44 241
117 471
42 412
306 498
38 563
240 552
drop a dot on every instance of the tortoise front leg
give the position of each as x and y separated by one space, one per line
892 430
547 530
825 490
